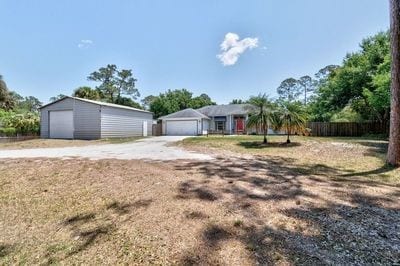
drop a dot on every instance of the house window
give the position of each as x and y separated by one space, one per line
220 125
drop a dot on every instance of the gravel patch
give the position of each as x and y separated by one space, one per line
154 148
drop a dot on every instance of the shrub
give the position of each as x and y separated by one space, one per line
8 131
24 123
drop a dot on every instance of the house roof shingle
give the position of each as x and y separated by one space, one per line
225 109
186 113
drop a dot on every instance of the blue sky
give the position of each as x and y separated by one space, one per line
50 47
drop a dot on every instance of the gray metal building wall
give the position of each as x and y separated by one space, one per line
117 122
87 120
66 104
93 121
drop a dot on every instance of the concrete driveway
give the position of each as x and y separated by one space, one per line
152 148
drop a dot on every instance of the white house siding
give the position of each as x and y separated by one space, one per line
66 104
117 122
205 125
86 120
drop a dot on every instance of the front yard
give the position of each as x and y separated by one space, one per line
316 201
60 143
332 157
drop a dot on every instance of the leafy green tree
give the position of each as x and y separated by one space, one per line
347 114
378 99
58 97
261 114
176 100
162 105
147 101
237 101
361 82
115 83
30 104
289 89
291 117
323 74
307 85
87 93
128 102
7 102
200 101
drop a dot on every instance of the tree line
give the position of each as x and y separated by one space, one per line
18 115
355 91
118 87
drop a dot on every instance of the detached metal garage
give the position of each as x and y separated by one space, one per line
188 122
76 118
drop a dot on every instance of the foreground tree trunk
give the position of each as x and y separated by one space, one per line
265 129
288 135
393 156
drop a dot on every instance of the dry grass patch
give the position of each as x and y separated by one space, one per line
230 211
59 143
334 157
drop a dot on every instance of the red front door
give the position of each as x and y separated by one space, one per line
239 125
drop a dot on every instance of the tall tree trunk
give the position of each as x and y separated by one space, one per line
305 95
393 156
265 128
288 134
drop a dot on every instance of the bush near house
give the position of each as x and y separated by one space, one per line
12 123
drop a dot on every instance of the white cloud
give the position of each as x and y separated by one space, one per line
84 44
232 48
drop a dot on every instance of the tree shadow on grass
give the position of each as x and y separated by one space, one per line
5 249
348 227
379 147
90 228
381 170
188 191
125 208
260 145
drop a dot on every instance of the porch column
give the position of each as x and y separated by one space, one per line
230 124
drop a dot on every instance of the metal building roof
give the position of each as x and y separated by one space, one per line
98 103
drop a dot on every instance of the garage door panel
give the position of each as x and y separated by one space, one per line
181 128
61 124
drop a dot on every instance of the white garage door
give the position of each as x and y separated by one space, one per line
61 124
181 128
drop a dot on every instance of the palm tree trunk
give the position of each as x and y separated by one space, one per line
265 134
305 95
393 155
288 135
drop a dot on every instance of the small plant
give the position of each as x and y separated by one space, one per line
238 223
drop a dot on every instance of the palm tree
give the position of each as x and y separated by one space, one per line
262 113
290 117
86 93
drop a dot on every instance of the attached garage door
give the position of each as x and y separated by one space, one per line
61 124
181 128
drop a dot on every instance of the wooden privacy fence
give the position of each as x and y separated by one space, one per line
347 129
157 129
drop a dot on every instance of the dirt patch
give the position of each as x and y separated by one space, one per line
227 211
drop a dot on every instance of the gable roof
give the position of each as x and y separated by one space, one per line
186 113
225 109
98 103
